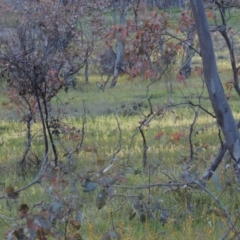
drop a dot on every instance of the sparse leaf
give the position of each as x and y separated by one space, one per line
158 135
101 161
132 216
23 209
101 198
111 192
11 193
42 220
176 118
91 149
177 136
55 207
106 169
143 218
164 216
90 186
76 236
65 154
75 224
229 84
19 234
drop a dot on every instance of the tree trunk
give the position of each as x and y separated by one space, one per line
215 90
186 66
120 46
86 71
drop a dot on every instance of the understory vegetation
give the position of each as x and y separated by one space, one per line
117 122
112 157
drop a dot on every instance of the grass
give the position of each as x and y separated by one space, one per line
112 123
191 211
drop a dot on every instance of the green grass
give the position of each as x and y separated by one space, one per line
112 127
191 211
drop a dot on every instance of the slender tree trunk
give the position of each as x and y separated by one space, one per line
186 67
114 12
120 46
86 71
42 118
215 90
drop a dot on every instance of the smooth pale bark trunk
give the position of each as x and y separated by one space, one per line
215 90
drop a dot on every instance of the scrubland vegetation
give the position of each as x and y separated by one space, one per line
114 151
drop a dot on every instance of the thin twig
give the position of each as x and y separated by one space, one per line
232 225
36 179
205 110
191 132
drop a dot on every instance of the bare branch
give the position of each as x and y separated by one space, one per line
36 180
